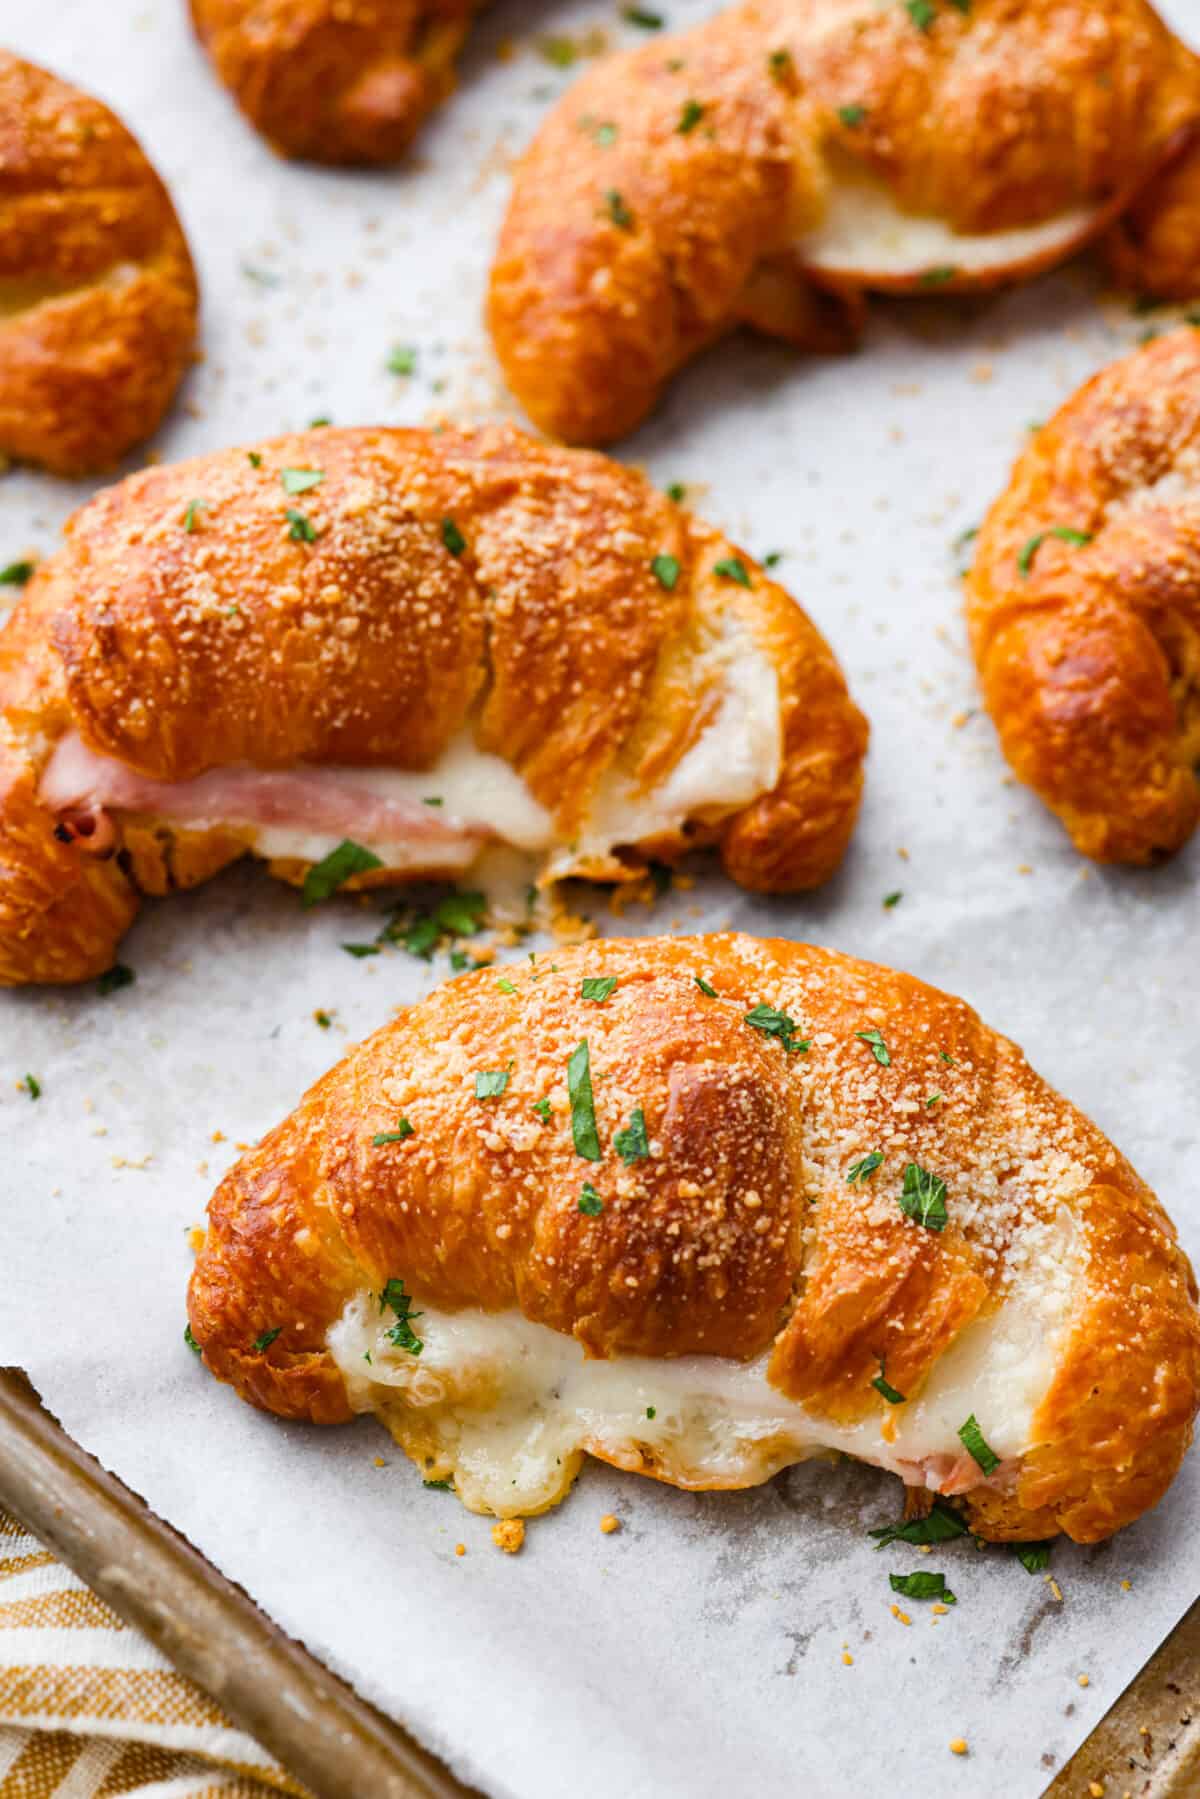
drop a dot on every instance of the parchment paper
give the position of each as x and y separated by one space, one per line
701 1649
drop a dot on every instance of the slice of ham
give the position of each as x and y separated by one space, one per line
82 787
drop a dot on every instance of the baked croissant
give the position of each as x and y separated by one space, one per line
793 149
381 653
97 292
1084 607
1154 247
703 1207
339 81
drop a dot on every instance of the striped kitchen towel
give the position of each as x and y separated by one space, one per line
89 1709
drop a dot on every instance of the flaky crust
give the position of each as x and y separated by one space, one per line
1090 658
741 1233
337 81
1154 248
1007 113
180 637
98 296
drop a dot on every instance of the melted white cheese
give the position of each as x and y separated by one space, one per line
864 233
511 1405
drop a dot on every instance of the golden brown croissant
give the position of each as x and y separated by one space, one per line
702 1207
400 648
1084 607
97 292
791 146
1154 248
340 81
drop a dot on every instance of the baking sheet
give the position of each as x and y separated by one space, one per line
702 1646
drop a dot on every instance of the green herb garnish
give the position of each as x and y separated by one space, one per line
709 992
940 1525
677 492
862 1171
922 1585
598 987
335 869
632 1144
491 1082
977 1447
402 360
924 1197
115 977
779 65
583 1109
543 1109
403 1129
893 899
921 12
191 1342
253 458
189 516
452 537
732 568
16 574
300 527
690 117
776 1024
590 1202
461 914
617 210
938 276
638 15
1033 1557
266 1340
852 116
665 570
1065 534
300 480
32 1086
879 1048
401 1333
439 1486
362 949
881 1385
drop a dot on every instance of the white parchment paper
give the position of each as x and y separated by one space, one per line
701 1650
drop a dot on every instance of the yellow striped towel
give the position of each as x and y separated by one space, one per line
89 1709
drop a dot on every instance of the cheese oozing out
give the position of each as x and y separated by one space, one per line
509 1406
864 234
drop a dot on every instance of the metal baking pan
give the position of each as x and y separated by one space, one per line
1147 1745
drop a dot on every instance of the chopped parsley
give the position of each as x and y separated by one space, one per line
583 1109
779 63
773 558
893 899
439 1486
32 1086
505 986
651 1411
590 1202
977 1446
266 1340
403 1129
776 1024
676 492
946 1057
938 275
852 116
319 423
254 458
638 15
879 1048
863 1170
362 949
922 13
598 987
323 1019
420 937
709 992
401 1333
335 869
1033 1557
300 527
732 568
559 51
402 360
191 1342
690 117
543 1109
461 914
665 570
940 1525
881 1385
923 1197
933 1099
452 537
1064 533
491 1082
601 131
189 516
16 574
300 480
632 1144
617 211
115 977
922 1585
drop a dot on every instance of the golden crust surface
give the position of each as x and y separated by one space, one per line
336 81
1088 642
740 1233
1154 248
184 627
660 201
98 296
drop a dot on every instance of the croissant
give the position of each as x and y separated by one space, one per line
701 1208
373 655
337 81
1083 612
1154 248
776 162
97 292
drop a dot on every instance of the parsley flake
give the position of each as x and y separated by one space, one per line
732 568
922 13
403 1129
632 1144
598 987
590 1202
946 1057
491 1082
505 986
933 1099
16 574
1064 533
461 914
452 537
676 492
690 117
779 64
922 1585
191 1342
402 360
115 977
709 992
300 527
893 899
852 116
923 1198
266 1340
32 1086
401 1333
617 210
940 1525
861 1171
881 1385
253 458
1033 1557
189 516
583 1109
335 869
300 480
360 950
776 1024
651 1411
938 275
439 1486
647 21
665 570
977 1446
543 1109
879 1048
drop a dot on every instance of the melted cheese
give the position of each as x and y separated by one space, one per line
864 233
510 1406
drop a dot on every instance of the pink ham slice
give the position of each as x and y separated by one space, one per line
82 787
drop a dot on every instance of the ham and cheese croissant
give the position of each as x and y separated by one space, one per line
383 652
704 1207
97 292
793 149
1084 607
338 81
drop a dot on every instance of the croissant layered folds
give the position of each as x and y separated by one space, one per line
1084 607
97 292
777 161
338 81
702 1207
408 646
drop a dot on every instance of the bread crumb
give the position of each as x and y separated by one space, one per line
217 1137
195 1237
958 1745
1126 1586
939 1608
1085 1680
379 1462
903 1617
609 1523
460 1549
847 1658
1095 1789
508 1534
